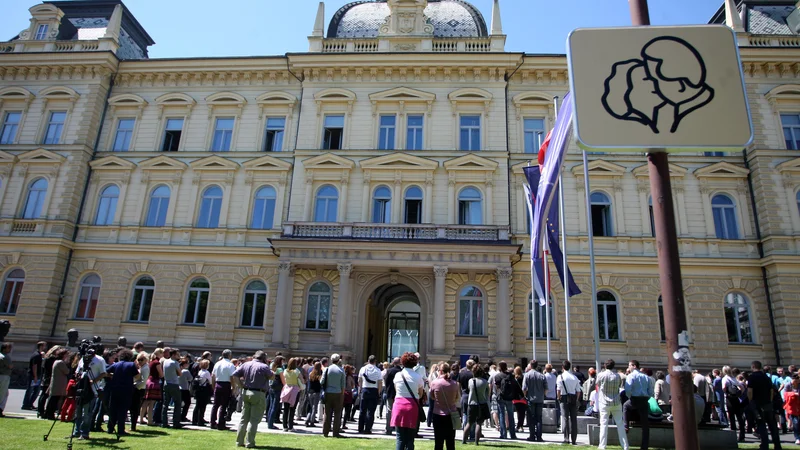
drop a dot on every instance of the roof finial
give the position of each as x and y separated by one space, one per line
114 24
319 24
497 23
732 18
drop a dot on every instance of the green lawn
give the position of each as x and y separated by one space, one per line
20 434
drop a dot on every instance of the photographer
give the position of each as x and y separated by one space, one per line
91 370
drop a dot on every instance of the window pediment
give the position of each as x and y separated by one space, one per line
538 101
517 168
721 170
225 100
16 94
41 156
399 161
213 163
162 163
402 94
785 92
471 162
335 95
275 99
59 93
7 158
175 99
675 171
791 166
112 163
267 163
328 161
470 96
600 168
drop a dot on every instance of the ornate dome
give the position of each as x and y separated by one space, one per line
450 19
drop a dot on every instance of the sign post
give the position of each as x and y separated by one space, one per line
661 90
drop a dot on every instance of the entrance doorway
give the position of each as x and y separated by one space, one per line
403 328
393 322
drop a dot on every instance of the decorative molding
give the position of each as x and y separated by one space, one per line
440 271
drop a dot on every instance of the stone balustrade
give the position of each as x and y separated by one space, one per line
384 231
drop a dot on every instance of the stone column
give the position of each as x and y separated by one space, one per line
503 325
438 308
281 302
309 200
287 311
343 306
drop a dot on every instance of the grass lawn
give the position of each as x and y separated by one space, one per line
20 434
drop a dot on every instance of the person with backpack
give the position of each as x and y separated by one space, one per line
506 391
202 387
369 380
732 389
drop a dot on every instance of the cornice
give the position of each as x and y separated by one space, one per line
56 72
185 78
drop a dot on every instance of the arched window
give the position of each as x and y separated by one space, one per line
382 205
797 199
413 205
470 311
210 207
12 289
327 203
107 207
264 209
601 215
608 316
724 210
661 319
738 319
35 201
652 217
318 309
255 304
159 203
538 317
470 207
197 302
87 298
142 300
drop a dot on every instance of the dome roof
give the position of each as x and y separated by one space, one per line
450 19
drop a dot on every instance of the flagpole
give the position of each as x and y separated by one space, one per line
546 271
595 328
533 281
562 226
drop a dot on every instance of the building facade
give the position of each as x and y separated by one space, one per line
366 197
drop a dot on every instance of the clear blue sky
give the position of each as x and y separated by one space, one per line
188 28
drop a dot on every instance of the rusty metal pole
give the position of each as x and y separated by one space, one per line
669 268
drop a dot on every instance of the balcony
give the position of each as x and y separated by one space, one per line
20 46
388 231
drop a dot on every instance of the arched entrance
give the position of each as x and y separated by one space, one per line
393 322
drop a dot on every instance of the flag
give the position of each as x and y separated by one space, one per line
532 173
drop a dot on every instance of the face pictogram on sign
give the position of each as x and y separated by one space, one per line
669 78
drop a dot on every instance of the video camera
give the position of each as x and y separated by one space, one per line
88 348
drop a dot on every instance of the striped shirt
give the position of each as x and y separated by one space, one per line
608 383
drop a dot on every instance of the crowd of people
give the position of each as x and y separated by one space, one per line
114 387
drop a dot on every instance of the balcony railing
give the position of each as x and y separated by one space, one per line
350 45
25 226
462 45
87 45
387 231
774 41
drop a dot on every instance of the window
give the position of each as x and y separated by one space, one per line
738 319
534 134
210 207
197 302
413 206
264 209
661 319
470 127
122 141
714 154
382 205
142 300
724 210
333 133
41 32
35 202
652 217
159 203
791 130
107 208
172 135
470 208
319 306
273 141
223 133
255 304
415 126
797 199
601 214
607 316
55 126
326 204
10 126
87 299
470 312
12 289
538 317
387 131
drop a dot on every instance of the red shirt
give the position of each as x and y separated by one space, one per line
792 403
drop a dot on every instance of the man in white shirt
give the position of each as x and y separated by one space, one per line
369 382
608 403
568 386
221 377
83 412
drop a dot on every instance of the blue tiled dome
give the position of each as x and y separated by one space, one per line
450 18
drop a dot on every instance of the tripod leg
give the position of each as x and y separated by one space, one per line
51 430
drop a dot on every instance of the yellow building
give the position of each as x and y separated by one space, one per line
365 197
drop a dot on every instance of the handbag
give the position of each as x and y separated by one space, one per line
455 416
420 411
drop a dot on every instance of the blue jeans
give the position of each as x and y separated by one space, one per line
505 408
274 406
405 438
83 419
535 419
366 416
796 427
723 416
31 393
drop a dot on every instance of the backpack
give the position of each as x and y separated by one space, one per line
733 390
507 391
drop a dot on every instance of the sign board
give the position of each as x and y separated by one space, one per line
673 88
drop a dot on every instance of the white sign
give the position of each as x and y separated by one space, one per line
670 88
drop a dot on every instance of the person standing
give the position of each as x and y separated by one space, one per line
520 403
253 376
506 391
34 380
172 391
568 387
534 385
292 385
551 378
58 384
445 394
464 375
314 392
760 392
275 387
662 393
91 371
733 389
49 361
333 384
369 382
639 391
185 382
791 405
120 391
478 403
152 390
5 373
701 384
221 377
410 387
203 387
719 398
608 401
137 399
390 393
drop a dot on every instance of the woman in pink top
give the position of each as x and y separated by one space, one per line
446 395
